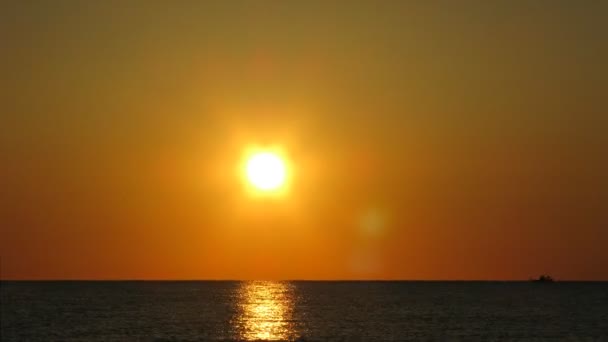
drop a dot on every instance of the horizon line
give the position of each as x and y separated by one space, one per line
280 280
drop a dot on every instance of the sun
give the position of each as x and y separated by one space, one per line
266 171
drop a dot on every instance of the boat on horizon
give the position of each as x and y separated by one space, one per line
543 278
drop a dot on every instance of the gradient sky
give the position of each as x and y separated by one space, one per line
428 140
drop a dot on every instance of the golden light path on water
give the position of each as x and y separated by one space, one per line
265 311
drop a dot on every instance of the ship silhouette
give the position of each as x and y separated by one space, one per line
543 278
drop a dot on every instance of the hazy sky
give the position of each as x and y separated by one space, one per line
428 140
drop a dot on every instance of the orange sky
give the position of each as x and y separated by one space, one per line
427 141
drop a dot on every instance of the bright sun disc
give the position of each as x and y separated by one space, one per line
265 171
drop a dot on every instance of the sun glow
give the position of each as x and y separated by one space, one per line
266 171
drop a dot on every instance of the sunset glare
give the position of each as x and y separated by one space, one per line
304 170
265 171
313 140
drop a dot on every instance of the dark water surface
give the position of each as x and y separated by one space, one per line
311 311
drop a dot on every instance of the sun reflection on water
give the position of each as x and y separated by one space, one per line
265 311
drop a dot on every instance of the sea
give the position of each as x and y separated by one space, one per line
303 311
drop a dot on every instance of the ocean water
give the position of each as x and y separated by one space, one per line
307 311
